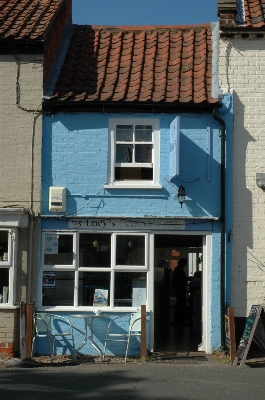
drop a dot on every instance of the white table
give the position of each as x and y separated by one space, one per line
89 319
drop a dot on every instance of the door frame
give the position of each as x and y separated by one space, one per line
206 284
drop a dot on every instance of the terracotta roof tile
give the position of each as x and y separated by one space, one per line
29 19
254 13
244 13
157 64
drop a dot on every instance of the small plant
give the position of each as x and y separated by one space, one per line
221 356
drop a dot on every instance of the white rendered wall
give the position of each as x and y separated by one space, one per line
242 72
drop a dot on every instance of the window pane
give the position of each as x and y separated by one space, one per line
3 246
94 250
58 288
124 153
58 249
130 250
143 133
94 289
143 153
124 133
130 289
126 174
4 285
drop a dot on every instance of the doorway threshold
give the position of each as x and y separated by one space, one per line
179 358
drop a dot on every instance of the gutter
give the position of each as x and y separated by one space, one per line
222 221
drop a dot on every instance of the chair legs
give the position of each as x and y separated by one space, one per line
127 348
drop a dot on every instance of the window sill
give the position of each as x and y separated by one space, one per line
88 309
6 306
132 186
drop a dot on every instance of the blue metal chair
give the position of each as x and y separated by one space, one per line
134 329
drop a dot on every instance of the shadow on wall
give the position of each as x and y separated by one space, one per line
242 212
200 171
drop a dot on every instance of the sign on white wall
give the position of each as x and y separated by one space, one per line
174 147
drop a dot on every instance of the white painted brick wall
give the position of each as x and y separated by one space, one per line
16 128
242 70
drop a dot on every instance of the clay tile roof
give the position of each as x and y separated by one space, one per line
27 19
254 13
242 13
155 64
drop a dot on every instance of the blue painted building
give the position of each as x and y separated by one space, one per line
130 121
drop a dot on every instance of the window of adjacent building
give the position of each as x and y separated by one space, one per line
6 266
134 155
94 269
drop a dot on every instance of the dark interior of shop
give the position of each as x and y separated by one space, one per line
171 334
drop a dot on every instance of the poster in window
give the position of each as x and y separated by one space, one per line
51 244
100 297
48 280
138 292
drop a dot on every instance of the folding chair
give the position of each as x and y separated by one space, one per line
44 323
134 329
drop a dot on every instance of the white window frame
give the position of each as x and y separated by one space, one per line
10 264
76 269
134 184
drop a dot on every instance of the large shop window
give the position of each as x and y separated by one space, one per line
94 269
7 240
134 153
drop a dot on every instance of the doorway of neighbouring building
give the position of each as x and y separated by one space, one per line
170 334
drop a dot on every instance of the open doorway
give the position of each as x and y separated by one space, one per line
171 334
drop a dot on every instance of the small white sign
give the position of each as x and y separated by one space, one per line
138 292
51 244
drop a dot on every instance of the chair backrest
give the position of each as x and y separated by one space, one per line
135 322
43 324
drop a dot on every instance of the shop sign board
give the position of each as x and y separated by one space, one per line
124 224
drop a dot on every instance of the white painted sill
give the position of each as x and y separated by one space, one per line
132 186
6 306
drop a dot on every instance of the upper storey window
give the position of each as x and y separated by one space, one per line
134 153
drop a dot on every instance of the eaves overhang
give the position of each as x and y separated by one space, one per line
241 30
51 107
177 217
21 46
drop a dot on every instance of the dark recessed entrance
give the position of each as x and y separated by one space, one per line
171 334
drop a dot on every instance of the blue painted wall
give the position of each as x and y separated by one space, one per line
99 328
75 155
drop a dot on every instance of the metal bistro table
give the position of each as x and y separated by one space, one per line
89 319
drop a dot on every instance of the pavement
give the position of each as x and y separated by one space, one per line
172 378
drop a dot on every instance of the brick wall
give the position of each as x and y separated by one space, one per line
242 71
9 332
16 127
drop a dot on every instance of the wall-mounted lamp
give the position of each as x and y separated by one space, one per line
181 195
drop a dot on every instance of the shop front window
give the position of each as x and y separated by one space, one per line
130 289
130 250
94 250
58 249
5 267
94 289
85 269
58 288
